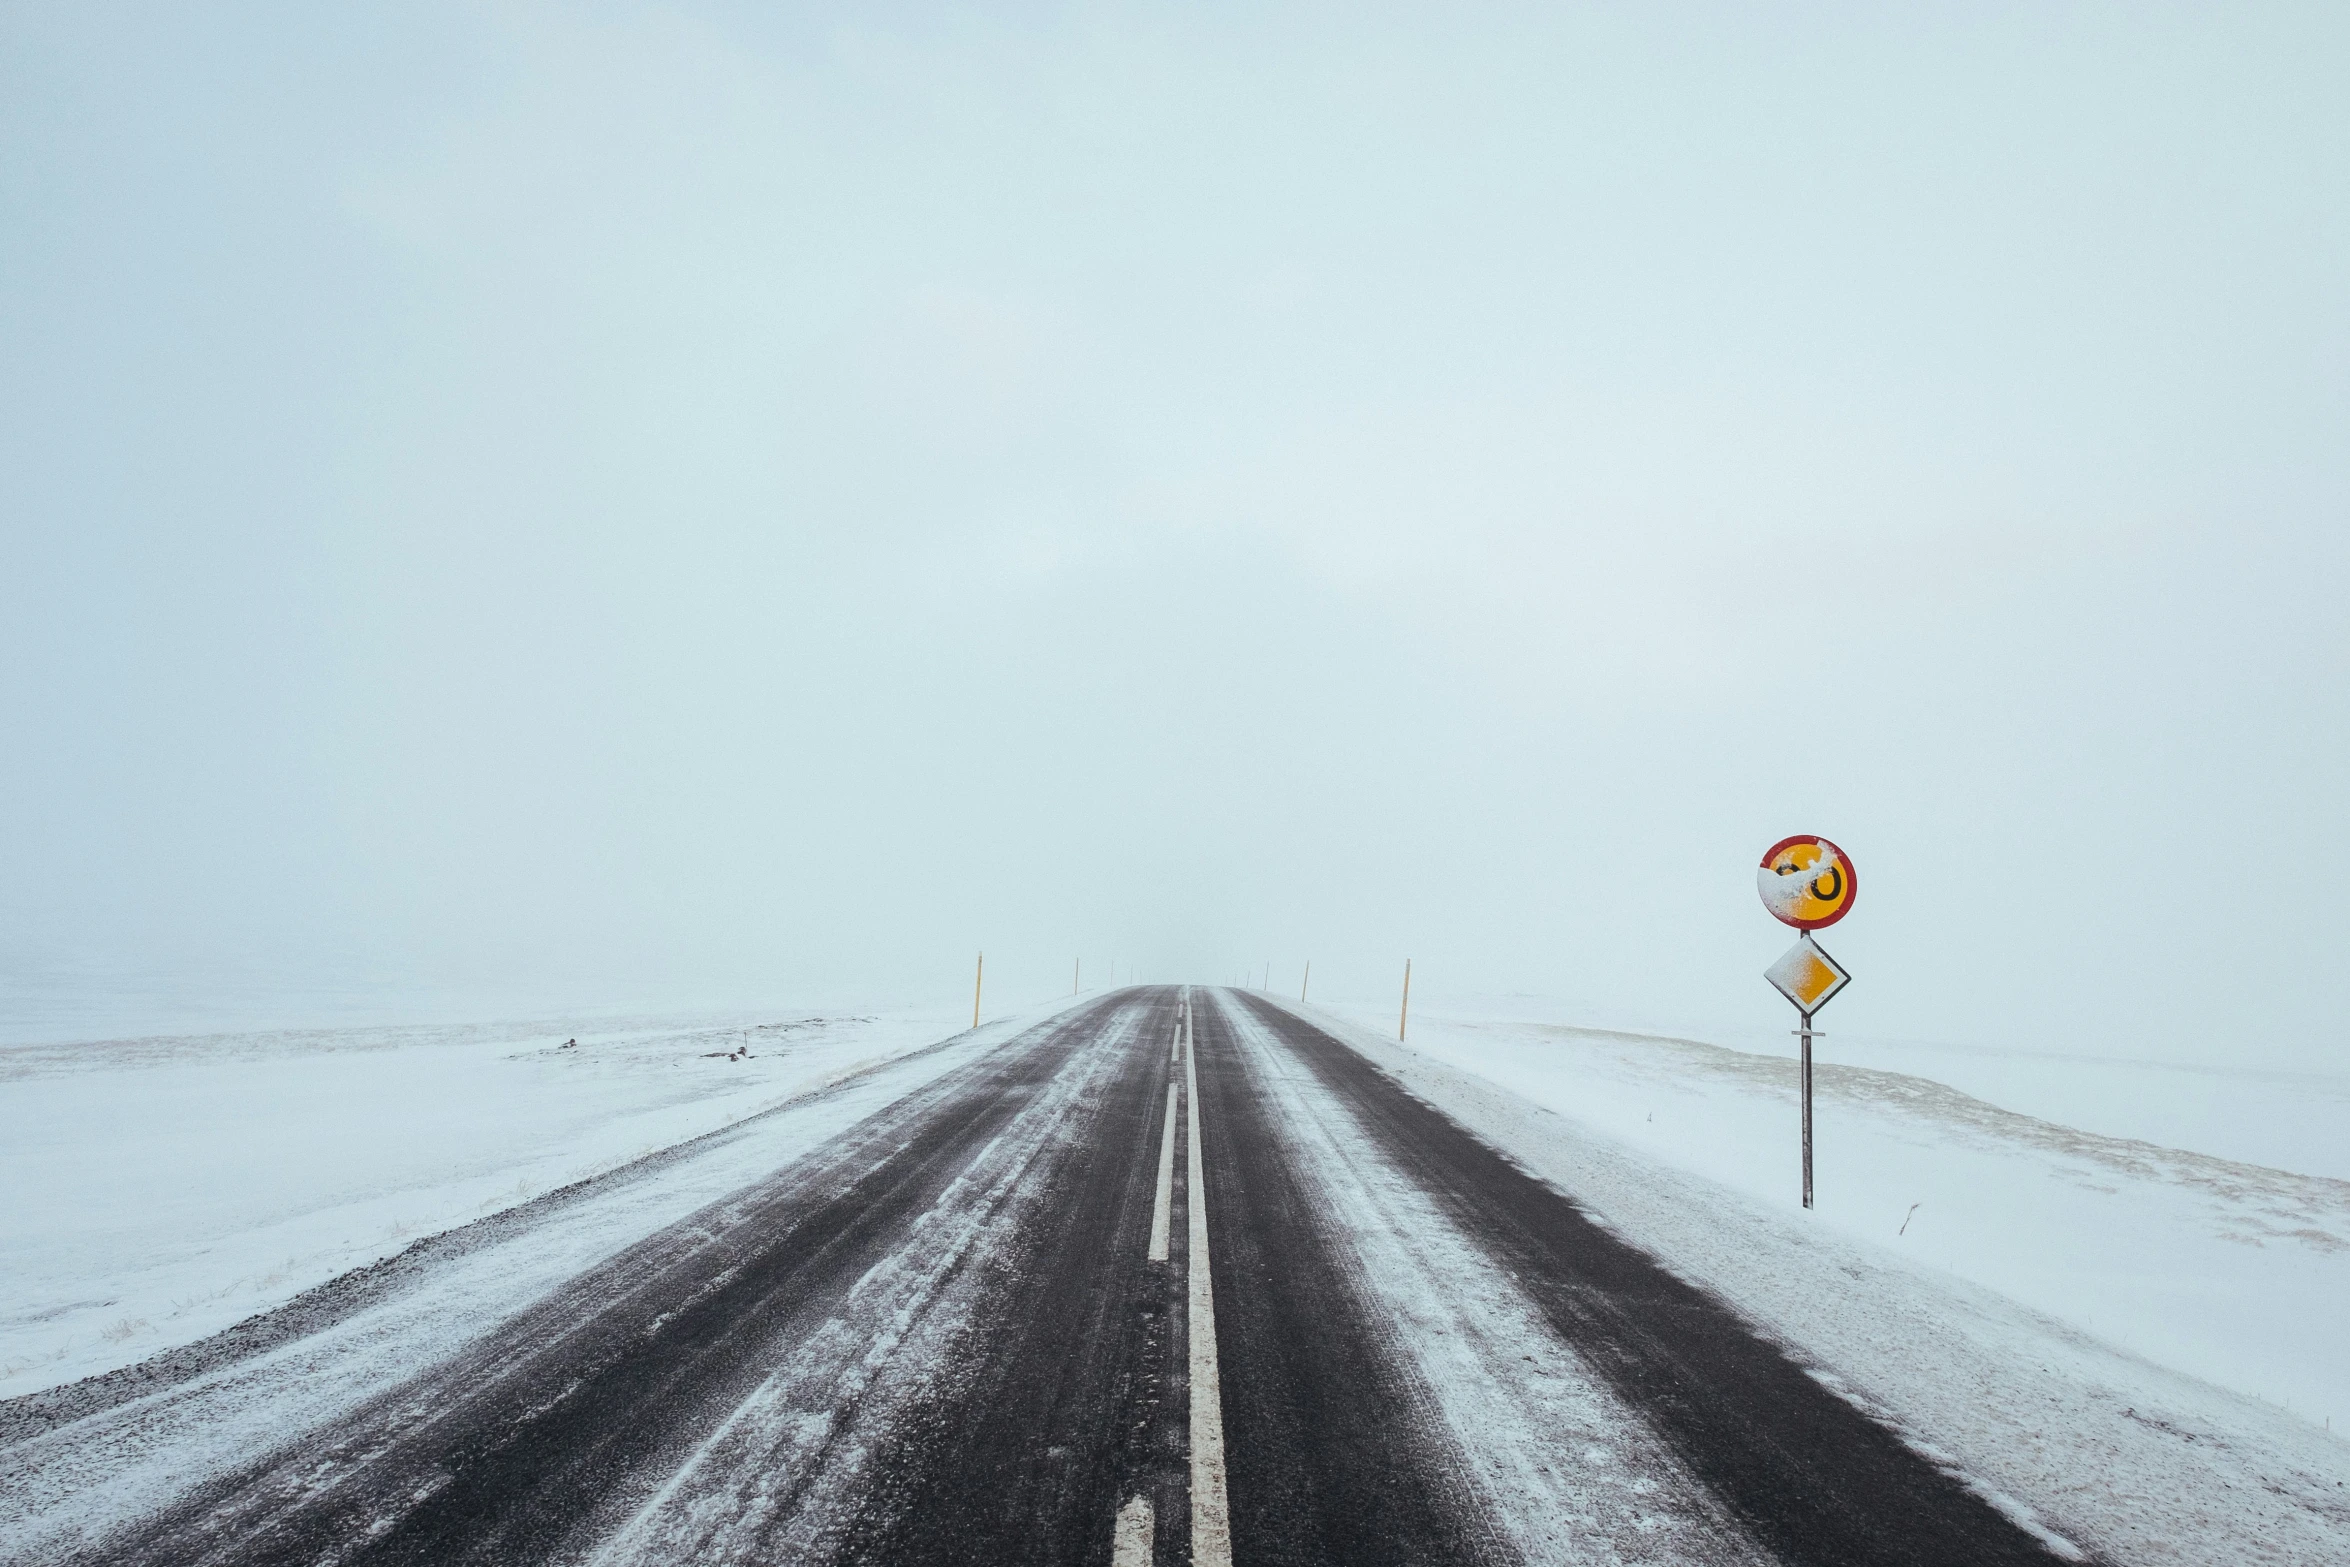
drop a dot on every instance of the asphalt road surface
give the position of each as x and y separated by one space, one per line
1172 1277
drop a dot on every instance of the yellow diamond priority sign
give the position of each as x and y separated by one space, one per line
1807 976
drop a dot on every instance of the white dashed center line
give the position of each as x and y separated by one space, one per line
1166 1183
1130 1544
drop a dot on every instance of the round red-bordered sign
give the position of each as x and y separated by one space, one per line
1807 882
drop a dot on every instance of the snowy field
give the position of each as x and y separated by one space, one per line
162 1189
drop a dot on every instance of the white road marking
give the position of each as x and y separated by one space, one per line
1130 1546
1211 1523
1166 1183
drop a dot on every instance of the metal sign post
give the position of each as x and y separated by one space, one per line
1807 883
1806 1032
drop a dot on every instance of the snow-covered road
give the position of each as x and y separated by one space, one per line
959 1304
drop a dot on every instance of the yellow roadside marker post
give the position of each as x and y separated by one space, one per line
1809 883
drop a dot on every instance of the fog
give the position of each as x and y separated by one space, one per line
520 505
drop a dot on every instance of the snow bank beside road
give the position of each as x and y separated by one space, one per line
164 1189
2171 1271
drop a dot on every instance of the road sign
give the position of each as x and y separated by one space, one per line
1807 976
1807 882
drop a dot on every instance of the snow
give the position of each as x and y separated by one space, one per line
165 1188
2140 1344
2213 1104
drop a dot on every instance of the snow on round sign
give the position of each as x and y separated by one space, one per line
1807 882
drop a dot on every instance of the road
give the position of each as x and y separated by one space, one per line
1173 1276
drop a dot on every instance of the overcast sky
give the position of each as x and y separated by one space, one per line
716 501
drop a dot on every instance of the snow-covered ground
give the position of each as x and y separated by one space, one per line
161 1189
2247 1110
